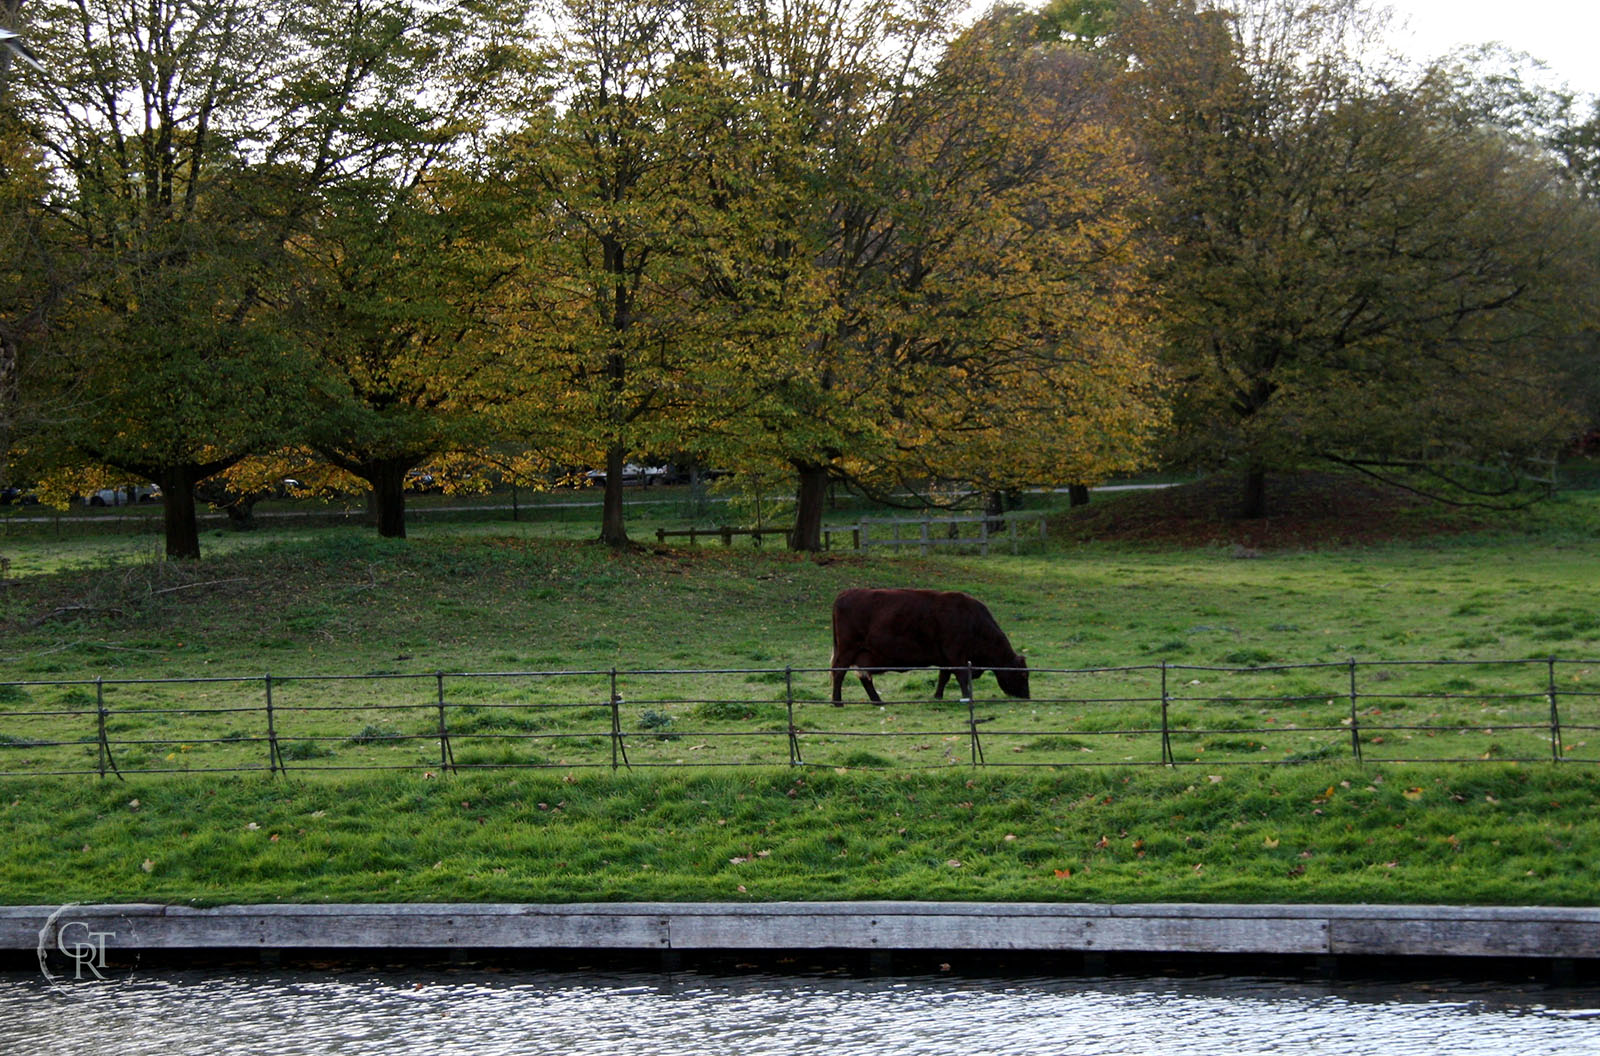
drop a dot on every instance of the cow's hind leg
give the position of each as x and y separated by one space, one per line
944 680
866 684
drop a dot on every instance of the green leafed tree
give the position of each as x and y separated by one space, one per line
403 274
1363 269
638 178
191 144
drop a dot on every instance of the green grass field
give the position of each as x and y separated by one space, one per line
1256 639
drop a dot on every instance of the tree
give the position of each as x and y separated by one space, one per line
637 199
1027 325
401 312
969 245
1361 270
32 275
404 270
191 143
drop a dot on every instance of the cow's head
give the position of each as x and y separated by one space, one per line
1014 680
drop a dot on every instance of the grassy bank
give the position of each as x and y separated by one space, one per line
498 597
1493 835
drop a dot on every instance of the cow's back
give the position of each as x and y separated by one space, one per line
909 627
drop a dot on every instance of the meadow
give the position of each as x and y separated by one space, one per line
1254 642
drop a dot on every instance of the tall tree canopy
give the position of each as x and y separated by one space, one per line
404 268
192 140
641 178
970 244
1362 268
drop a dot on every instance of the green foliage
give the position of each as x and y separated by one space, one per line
1353 255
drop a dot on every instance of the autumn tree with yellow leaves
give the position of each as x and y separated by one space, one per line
971 249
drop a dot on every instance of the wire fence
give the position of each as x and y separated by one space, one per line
1163 714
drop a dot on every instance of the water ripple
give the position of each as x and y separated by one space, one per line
530 1014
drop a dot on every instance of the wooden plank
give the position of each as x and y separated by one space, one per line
1532 932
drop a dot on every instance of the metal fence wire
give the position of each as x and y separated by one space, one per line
1162 714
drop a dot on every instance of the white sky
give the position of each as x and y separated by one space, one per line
1564 34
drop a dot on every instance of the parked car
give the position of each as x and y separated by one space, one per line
124 496
422 480
633 475
22 496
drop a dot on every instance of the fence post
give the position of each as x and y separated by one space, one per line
100 726
274 753
972 723
1355 721
617 747
794 734
1166 730
1555 714
447 755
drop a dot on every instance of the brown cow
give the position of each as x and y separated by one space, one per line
896 630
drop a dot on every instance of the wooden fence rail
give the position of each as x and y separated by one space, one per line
976 532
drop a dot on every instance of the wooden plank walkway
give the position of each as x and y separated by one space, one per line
1336 930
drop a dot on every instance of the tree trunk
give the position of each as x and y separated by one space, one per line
1255 493
177 512
613 526
994 509
388 480
810 497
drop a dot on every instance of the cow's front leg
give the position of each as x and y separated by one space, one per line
944 680
964 678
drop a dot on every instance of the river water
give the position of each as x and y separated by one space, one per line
441 1013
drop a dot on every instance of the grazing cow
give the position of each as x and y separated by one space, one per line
896 630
